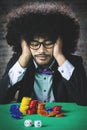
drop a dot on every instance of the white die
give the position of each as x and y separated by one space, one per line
38 123
28 123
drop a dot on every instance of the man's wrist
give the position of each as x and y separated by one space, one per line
23 61
66 70
16 73
60 59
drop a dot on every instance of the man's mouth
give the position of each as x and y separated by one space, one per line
41 56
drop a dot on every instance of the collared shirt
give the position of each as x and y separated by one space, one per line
43 88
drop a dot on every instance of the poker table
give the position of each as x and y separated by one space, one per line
75 118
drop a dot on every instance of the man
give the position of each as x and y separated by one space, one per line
44 37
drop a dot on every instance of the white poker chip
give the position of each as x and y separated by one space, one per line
38 123
28 123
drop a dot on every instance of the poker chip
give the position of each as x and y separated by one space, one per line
49 109
15 112
24 105
42 112
38 123
53 113
57 108
23 109
28 123
41 109
33 103
41 106
25 101
29 106
60 114
32 109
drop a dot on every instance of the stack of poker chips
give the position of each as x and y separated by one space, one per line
15 112
24 105
41 109
32 109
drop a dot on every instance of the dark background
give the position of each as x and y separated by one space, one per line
78 6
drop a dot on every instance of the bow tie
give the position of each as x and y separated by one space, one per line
45 71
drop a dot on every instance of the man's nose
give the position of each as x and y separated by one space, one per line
42 48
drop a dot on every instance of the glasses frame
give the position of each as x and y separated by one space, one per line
39 45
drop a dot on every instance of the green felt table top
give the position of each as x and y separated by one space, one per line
75 119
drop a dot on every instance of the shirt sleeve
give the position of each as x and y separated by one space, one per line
66 70
16 73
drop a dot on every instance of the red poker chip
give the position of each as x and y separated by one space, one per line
31 111
57 108
33 103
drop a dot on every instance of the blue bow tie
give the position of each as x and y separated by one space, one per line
45 71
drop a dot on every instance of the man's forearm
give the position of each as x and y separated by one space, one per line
16 73
66 70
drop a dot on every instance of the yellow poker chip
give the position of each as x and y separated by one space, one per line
26 99
24 104
23 110
24 107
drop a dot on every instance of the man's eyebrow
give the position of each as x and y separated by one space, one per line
43 40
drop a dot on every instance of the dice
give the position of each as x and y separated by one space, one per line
28 123
38 123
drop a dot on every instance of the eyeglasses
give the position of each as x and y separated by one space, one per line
36 44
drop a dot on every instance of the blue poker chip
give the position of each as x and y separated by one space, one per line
14 107
48 109
15 112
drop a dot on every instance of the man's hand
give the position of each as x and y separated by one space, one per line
57 52
26 54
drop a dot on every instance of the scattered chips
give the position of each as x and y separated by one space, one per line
29 106
15 112
57 108
48 109
60 114
53 113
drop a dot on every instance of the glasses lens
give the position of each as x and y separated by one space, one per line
48 44
34 45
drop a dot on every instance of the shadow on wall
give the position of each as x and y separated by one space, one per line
5 55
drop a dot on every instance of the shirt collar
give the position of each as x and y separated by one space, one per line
50 67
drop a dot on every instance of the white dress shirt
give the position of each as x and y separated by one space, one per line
16 73
43 89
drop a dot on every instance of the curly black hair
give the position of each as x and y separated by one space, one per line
47 19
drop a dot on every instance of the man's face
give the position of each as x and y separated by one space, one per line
42 51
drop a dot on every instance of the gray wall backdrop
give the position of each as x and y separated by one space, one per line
78 6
